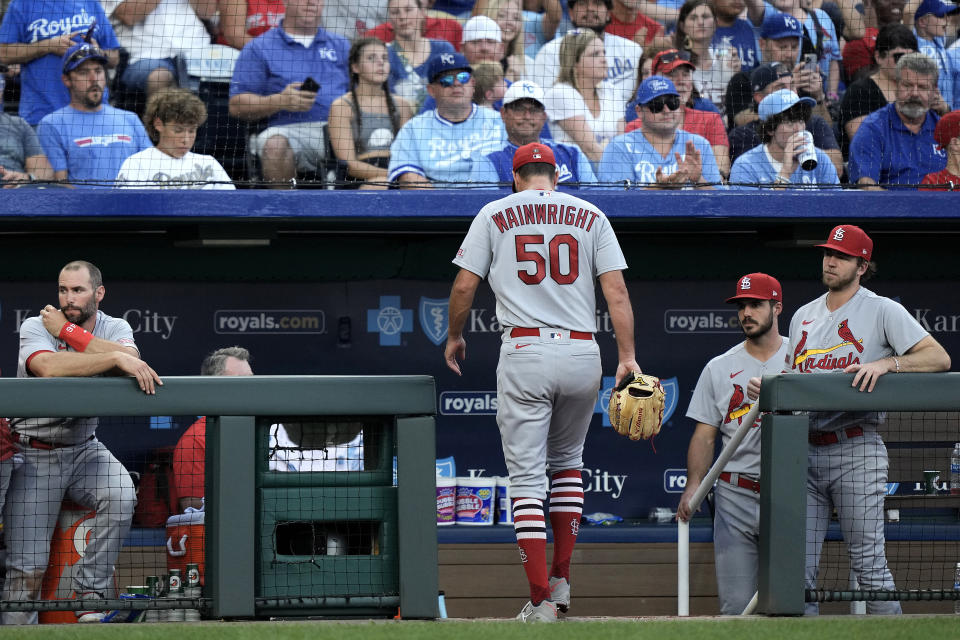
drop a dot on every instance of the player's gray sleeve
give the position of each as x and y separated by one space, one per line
116 330
33 338
609 254
476 253
702 405
902 330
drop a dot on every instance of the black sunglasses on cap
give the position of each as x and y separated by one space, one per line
672 56
657 104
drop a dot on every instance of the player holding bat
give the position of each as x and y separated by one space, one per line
850 329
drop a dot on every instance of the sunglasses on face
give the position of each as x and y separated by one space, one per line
463 77
657 104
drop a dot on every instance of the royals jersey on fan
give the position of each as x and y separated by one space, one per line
542 251
720 400
573 166
443 151
867 328
631 157
34 339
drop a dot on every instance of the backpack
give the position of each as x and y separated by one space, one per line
155 495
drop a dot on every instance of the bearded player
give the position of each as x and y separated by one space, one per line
542 251
62 456
719 405
850 329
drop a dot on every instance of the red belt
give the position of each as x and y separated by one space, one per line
36 443
822 438
742 481
525 332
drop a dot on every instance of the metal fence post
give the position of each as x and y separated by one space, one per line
230 507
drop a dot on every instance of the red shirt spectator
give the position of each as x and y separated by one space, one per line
433 29
629 29
243 20
858 54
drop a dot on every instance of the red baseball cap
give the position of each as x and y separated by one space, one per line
533 152
757 286
851 240
666 61
947 129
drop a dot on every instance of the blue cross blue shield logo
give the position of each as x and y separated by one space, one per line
390 321
434 319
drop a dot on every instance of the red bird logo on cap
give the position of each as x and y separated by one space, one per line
843 330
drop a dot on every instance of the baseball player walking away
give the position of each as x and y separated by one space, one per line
850 329
542 250
719 404
62 456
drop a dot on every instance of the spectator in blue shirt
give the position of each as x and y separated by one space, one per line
742 34
440 146
783 117
36 34
895 144
930 25
268 83
524 115
660 155
87 141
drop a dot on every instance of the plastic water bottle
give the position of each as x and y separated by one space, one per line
956 587
955 470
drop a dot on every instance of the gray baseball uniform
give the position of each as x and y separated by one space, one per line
543 251
847 458
79 468
719 400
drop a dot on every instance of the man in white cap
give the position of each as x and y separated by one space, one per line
482 40
783 117
524 115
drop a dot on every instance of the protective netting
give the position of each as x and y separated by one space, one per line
378 94
888 512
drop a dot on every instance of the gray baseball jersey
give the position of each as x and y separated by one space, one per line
543 251
720 400
849 475
868 327
34 338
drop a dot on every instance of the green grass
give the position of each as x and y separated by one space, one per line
826 628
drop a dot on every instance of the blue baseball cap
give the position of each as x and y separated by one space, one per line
938 8
780 25
443 63
780 101
654 87
80 53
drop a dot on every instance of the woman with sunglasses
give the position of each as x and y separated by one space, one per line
877 89
410 51
783 117
364 121
581 108
714 65
676 65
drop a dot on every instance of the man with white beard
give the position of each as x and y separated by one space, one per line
895 145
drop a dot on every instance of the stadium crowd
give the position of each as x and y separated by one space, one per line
380 94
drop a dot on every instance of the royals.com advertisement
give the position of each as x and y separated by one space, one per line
399 327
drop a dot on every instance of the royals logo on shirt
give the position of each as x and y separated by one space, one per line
103 141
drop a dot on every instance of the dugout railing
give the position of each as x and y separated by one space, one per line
785 399
245 503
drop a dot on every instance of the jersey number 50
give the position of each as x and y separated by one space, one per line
527 254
